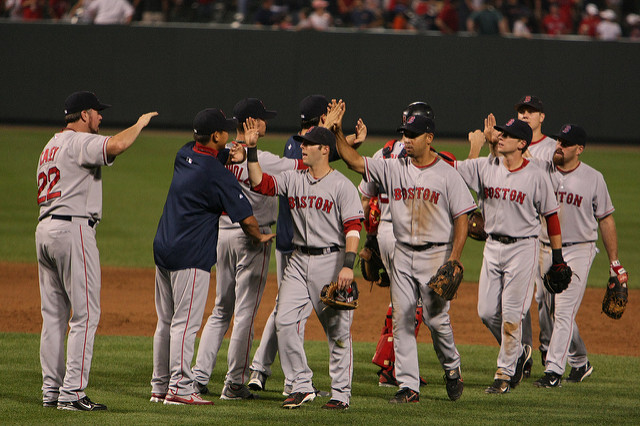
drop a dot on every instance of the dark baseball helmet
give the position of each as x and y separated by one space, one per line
418 108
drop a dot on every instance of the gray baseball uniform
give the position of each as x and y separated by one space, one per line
241 275
321 210
423 203
584 199
512 203
69 179
544 150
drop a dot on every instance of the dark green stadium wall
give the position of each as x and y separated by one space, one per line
178 71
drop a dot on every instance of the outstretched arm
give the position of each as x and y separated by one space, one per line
476 141
252 229
251 139
334 122
123 140
491 134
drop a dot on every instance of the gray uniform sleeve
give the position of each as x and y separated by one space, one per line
90 150
349 202
602 205
274 165
377 170
470 171
544 196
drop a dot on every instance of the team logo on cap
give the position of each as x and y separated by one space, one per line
527 99
510 122
566 129
411 119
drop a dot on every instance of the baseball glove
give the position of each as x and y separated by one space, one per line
615 298
447 280
347 299
371 264
476 226
557 278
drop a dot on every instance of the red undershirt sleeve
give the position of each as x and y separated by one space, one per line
352 225
553 224
267 186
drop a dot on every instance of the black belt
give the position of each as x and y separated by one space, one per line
505 239
90 222
317 251
567 244
424 247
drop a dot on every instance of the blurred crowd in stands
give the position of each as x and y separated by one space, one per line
602 19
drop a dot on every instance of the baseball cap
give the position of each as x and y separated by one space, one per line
318 136
572 134
517 129
531 101
418 124
251 107
313 106
80 101
212 120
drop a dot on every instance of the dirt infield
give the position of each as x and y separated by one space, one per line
128 309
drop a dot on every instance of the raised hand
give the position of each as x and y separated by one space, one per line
251 132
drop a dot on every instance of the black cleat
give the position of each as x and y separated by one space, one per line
579 374
524 358
83 404
499 386
405 395
549 380
455 386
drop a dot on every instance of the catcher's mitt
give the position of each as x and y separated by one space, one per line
371 264
557 278
615 298
340 299
447 280
476 226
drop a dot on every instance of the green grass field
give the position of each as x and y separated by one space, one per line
134 193
135 188
122 366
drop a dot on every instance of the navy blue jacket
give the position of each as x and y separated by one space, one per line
201 189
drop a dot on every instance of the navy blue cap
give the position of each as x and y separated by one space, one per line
252 107
418 124
572 134
517 129
81 101
211 120
313 106
317 136
530 101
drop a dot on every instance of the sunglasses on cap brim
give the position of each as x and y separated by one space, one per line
411 135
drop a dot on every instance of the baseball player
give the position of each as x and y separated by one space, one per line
69 180
531 110
585 206
185 251
241 272
326 214
428 202
313 109
513 194
385 356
